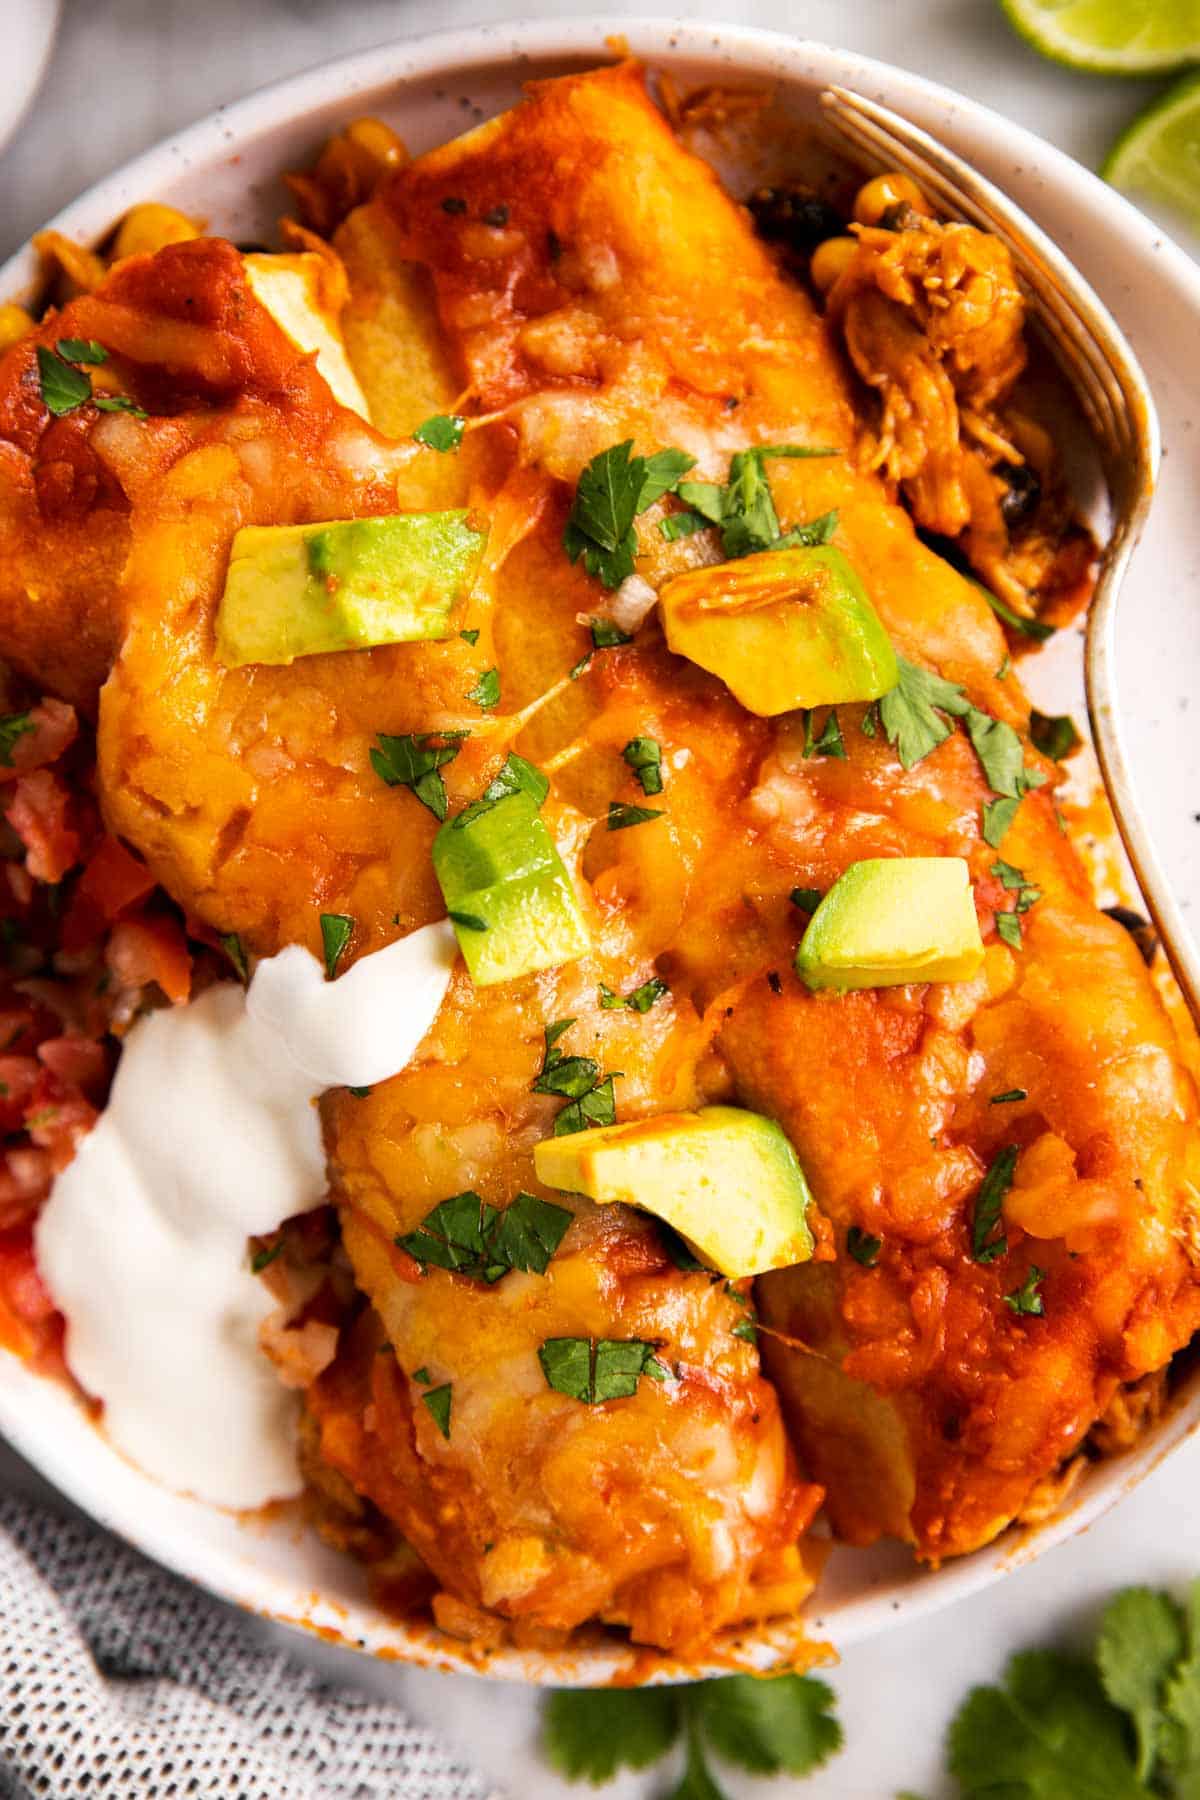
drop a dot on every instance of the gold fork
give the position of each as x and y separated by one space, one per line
1112 390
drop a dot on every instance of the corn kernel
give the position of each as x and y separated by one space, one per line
830 260
883 191
151 227
15 323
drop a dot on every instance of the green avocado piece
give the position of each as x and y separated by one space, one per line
729 1181
507 892
300 590
892 920
782 629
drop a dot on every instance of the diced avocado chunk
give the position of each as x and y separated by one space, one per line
891 920
729 1181
507 892
782 629
300 590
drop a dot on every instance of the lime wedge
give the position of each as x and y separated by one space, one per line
1157 158
1112 37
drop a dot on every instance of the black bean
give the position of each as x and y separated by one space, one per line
794 217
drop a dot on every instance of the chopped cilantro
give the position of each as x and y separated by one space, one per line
829 742
486 692
443 432
598 1369
644 756
422 1375
336 932
1027 1300
607 635
468 921
358 1093
119 403
262 1259
621 816
681 525
1005 669
913 712
1054 734
469 637
516 776
807 899
999 750
598 1107
468 1237
63 387
998 815
1030 628
1008 927
14 726
81 350
640 1000
612 490
744 508
576 1079
416 761
989 1201
747 1330
782 1724
231 944
1009 1096
439 1400
863 1247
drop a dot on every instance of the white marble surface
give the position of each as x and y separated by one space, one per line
126 72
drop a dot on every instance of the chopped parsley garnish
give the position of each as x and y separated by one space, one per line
516 776
468 921
747 1330
467 1237
63 387
863 1247
644 756
415 762
639 1001
422 1375
607 635
989 1201
621 816
11 728
829 742
232 945
486 692
576 1079
443 432
1009 1096
358 1093
744 510
612 490
597 1369
262 1259
807 899
81 350
439 1400
1027 1299
469 637
1054 734
1008 924
336 931
782 1724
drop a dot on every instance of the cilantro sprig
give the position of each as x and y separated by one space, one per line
639 1000
467 1237
783 1725
12 727
65 386
336 931
987 1236
743 509
1121 1725
415 762
444 431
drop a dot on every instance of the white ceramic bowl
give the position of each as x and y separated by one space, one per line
227 169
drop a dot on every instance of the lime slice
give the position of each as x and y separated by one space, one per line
1113 37
1158 156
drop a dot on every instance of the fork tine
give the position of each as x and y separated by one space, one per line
1116 399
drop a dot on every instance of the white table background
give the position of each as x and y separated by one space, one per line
127 72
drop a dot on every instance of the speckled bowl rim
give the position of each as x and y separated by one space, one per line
273 1568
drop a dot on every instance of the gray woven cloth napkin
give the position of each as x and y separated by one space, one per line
120 1681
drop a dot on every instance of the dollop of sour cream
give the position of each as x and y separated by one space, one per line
211 1135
